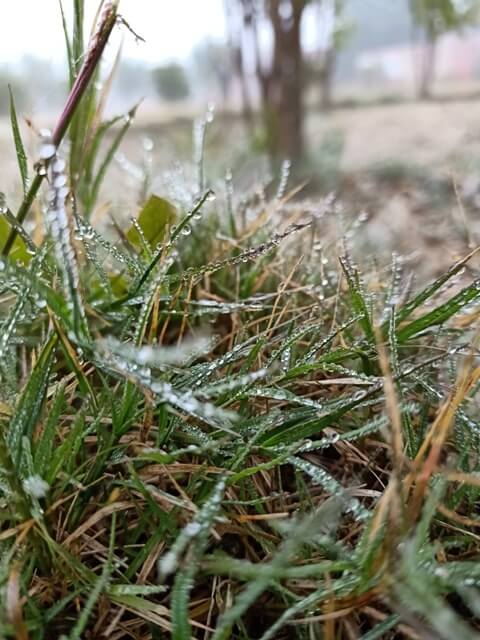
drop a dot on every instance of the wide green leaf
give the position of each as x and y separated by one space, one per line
153 219
19 252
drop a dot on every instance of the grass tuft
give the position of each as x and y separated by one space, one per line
213 426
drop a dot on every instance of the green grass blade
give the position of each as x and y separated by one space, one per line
184 579
428 292
20 149
358 298
379 631
68 46
98 588
441 314
101 173
45 445
30 403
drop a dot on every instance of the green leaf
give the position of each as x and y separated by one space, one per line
154 217
19 251
20 149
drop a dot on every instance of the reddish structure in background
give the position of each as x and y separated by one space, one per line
457 60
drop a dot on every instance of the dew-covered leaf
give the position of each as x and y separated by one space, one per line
18 252
155 216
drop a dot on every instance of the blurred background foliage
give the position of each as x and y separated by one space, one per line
338 87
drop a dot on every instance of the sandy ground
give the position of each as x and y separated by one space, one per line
433 135
439 135
440 140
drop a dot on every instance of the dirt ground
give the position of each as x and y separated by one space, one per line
437 135
415 168
440 135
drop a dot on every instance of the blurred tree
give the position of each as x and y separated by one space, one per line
279 69
339 30
36 85
131 78
437 17
213 65
171 82
237 29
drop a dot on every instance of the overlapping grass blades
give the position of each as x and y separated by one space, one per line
203 448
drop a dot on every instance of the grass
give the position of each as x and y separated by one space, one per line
216 426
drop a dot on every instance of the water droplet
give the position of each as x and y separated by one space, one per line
284 176
210 112
36 486
47 151
363 216
186 231
60 181
192 529
147 144
59 165
167 563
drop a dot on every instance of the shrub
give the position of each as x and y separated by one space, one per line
171 82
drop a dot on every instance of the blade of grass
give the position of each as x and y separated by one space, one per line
20 149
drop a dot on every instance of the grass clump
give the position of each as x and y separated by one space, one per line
216 426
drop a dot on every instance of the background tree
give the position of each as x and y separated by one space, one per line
279 70
133 77
237 30
212 64
171 82
436 17
336 34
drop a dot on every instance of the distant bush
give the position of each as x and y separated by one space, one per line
171 82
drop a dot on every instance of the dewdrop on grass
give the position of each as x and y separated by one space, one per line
36 486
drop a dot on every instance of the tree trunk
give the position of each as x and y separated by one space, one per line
427 72
247 112
282 84
236 26
326 79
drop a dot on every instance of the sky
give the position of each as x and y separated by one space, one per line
171 28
